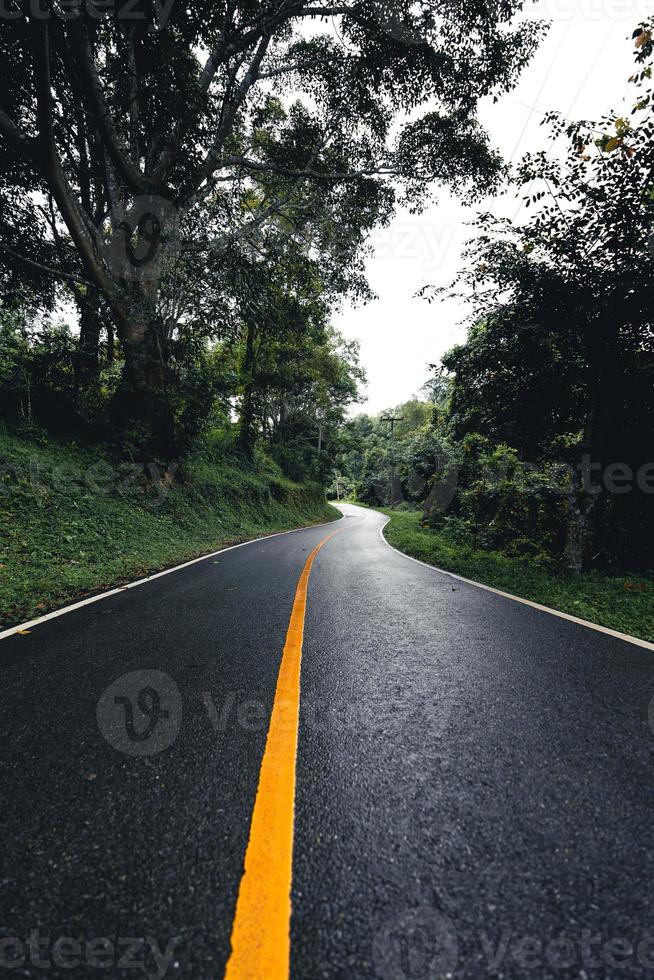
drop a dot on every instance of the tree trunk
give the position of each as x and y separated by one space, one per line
247 434
264 417
602 355
111 339
144 407
577 531
87 366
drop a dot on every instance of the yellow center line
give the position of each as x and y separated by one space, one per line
261 940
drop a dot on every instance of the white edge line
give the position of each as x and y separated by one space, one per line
516 598
55 614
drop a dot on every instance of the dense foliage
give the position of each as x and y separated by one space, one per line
543 442
208 172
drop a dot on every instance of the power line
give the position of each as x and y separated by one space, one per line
540 112
588 73
598 55
540 91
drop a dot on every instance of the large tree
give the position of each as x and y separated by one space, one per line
564 343
129 121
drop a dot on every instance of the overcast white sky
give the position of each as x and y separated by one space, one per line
581 70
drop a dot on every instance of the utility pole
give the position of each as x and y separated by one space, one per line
392 419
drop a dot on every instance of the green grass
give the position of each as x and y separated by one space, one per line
624 603
72 522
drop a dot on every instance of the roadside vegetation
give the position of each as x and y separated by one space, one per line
620 602
528 456
74 521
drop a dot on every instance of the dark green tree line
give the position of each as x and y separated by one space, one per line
561 364
549 404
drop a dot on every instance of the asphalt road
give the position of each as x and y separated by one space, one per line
474 777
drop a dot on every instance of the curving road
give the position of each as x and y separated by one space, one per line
473 787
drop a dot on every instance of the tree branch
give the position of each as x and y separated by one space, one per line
160 162
215 56
46 268
254 165
24 143
286 70
130 173
252 32
133 100
211 161
50 165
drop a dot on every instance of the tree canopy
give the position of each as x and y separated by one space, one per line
152 137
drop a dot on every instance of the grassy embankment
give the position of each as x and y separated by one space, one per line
73 522
624 603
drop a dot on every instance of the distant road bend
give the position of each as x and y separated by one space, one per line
312 757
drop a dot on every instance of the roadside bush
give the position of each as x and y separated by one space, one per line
36 374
